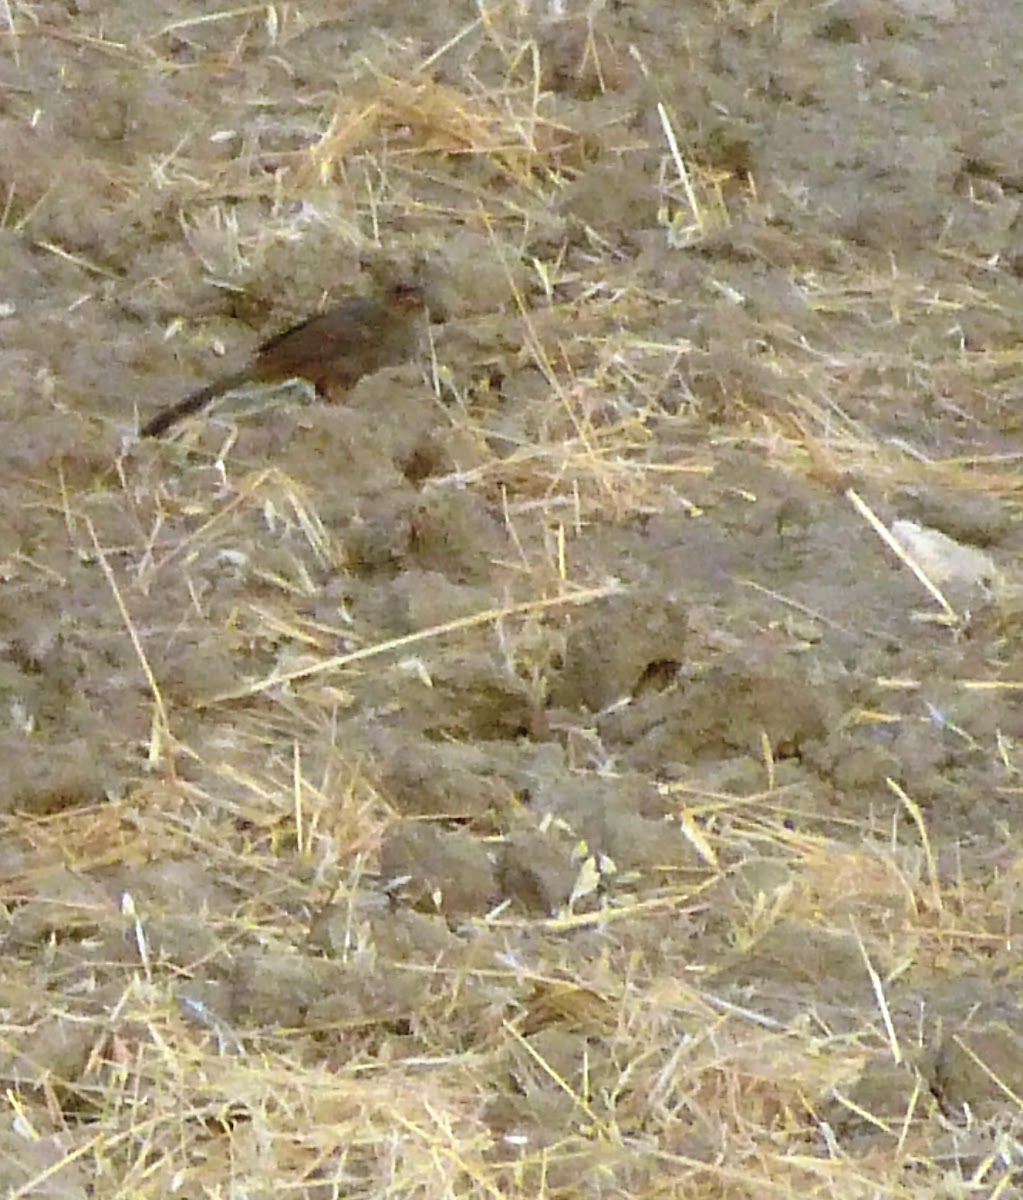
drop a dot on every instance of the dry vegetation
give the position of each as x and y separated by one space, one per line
332 863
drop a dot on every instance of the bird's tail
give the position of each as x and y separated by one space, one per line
193 403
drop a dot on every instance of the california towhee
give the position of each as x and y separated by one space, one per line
333 351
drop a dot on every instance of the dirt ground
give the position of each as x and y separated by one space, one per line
579 761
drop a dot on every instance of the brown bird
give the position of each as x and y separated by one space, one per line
332 351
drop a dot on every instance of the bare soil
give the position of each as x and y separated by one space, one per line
548 769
